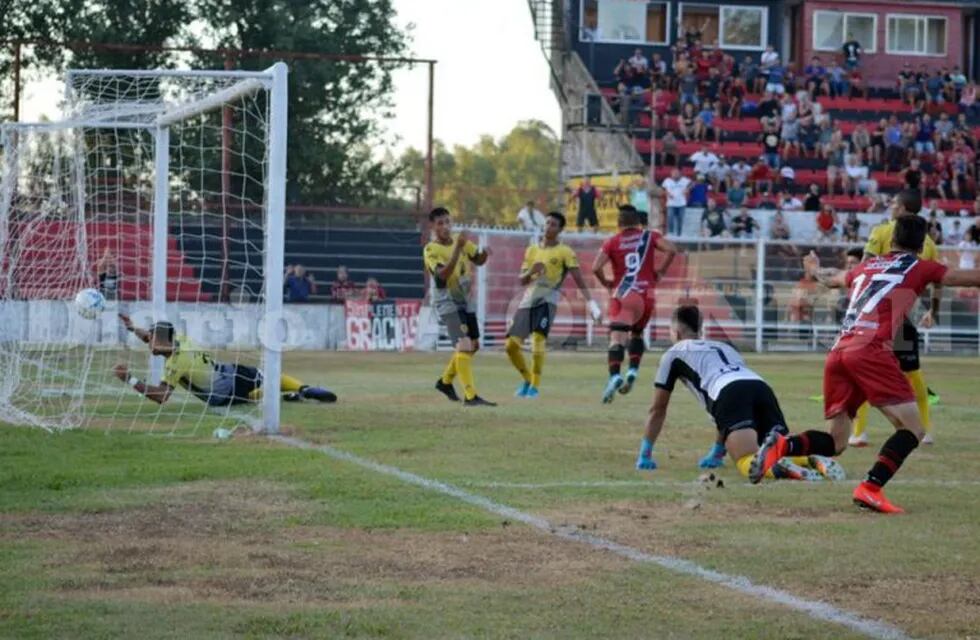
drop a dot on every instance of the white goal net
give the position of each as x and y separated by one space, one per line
165 191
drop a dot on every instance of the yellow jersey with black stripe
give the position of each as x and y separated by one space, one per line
453 293
192 368
880 242
546 287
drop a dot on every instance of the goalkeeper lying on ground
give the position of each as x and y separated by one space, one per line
218 384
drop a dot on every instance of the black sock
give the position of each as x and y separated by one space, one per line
616 354
892 455
636 347
818 443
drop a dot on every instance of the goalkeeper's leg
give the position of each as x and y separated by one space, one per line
294 389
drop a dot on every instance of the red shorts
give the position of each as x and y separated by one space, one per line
855 374
633 310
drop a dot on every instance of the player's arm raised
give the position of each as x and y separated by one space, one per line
669 249
158 393
142 334
828 277
962 278
445 271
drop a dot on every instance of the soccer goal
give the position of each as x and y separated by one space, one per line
166 191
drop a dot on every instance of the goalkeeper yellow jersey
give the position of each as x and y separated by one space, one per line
454 293
880 242
546 288
191 367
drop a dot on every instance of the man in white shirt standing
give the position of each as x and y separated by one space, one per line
858 178
740 172
639 62
704 161
677 188
530 219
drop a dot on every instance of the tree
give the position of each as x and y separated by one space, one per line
490 181
335 108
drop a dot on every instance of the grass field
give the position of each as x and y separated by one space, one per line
126 534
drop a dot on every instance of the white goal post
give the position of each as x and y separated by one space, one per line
178 179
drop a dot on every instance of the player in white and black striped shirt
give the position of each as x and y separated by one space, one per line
741 404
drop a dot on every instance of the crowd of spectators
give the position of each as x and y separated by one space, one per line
928 149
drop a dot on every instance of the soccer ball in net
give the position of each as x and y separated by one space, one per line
89 303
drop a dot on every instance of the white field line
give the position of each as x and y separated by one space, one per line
600 484
813 608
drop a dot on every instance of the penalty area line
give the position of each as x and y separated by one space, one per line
814 608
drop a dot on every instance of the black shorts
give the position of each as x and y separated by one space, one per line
536 319
906 346
461 324
246 380
587 216
748 404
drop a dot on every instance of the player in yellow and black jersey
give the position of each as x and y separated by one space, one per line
450 261
544 269
907 339
215 383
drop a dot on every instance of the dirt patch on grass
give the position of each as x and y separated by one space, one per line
237 543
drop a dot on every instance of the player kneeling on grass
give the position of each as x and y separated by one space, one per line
862 366
542 272
218 384
743 407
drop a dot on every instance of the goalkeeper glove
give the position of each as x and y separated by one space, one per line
645 461
594 310
714 458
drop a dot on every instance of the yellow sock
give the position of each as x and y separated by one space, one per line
745 462
464 366
516 358
538 346
800 461
861 419
921 396
450 371
289 383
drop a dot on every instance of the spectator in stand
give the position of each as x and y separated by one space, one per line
968 100
704 160
704 126
299 285
107 269
587 196
740 172
743 225
942 176
958 81
857 178
852 52
687 122
777 77
713 222
908 84
778 229
860 141
835 163
720 175
698 196
934 227
767 61
879 204
760 178
935 85
826 223
735 95
530 219
894 145
943 136
343 288
790 136
787 178
955 235
768 107
678 188
670 154
692 34
913 178
969 246
816 77
749 70
736 194
639 61
855 84
837 80
812 201
960 168
876 147
639 195
658 69
770 147
688 85
790 202
851 229
373 291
